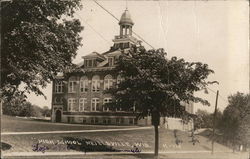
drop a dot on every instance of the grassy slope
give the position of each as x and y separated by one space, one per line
13 124
23 143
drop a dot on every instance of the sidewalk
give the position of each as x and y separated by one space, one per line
101 153
73 131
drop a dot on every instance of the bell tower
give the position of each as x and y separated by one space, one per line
125 39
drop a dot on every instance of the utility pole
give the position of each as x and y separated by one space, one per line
214 118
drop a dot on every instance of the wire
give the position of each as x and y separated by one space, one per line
118 20
94 29
219 94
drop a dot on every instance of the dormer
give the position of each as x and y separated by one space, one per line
93 59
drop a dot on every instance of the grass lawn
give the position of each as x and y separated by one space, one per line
143 140
108 141
14 124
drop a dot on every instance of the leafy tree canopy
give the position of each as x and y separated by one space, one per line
236 118
154 83
39 39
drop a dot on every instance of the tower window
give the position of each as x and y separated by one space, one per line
59 87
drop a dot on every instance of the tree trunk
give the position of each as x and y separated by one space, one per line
156 140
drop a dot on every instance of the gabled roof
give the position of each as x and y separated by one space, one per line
94 54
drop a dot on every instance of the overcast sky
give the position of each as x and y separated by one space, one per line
212 32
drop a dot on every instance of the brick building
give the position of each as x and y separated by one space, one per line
79 98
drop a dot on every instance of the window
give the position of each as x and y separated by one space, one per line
119 109
111 61
135 121
119 79
92 120
71 104
96 120
105 121
109 121
72 85
84 84
105 101
59 87
131 121
119 120
95 104
108 82
82 103
84 120
90 63
96 84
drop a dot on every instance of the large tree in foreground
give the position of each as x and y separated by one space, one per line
39 38
158 86
235 122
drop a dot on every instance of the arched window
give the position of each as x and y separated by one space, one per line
108 82
119 79
83 84
95 83
72 85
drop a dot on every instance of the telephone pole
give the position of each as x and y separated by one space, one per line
214 118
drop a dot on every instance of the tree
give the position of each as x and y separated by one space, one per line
39 39
235 120
204 119
157 86
46 112
20 107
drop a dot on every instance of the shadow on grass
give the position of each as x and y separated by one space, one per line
217 138
87 145
4 146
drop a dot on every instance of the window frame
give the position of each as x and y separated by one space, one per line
71 103
95 83
106 100
84 84
82 101
95 104
58 86
108 82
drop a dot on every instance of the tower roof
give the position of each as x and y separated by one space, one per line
126 18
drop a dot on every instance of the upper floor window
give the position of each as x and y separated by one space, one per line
95 104
71 104
96 83
111 61
59 87
108 82
90 63
119 79
105 101
84 84
82 104
72 85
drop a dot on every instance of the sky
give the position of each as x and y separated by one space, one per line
212 32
